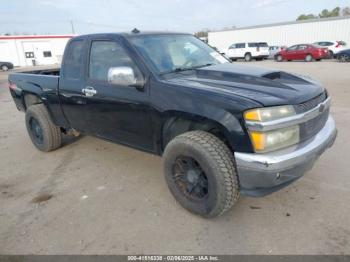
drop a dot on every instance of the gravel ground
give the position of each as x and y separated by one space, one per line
95 197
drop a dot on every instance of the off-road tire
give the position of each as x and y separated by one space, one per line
51 134
216 160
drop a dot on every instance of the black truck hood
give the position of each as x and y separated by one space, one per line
265 86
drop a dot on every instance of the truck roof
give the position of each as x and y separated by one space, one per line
133 34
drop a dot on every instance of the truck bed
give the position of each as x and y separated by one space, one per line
52 71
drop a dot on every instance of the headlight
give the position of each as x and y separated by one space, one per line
269 113
274 139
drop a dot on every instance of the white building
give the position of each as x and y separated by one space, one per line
289 33
33 50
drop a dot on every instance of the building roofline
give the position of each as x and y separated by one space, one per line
284 23
14 37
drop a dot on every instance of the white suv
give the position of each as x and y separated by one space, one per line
248 51
334 47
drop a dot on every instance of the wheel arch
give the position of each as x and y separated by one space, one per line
176 122
31 99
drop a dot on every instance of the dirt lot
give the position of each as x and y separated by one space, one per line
110 199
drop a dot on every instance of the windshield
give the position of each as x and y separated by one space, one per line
172 53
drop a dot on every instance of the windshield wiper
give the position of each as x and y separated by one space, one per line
181 69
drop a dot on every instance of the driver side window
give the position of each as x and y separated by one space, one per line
105 55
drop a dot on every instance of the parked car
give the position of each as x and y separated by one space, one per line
334 47
248 51
307 52
5 66
222 129
343 56
273 50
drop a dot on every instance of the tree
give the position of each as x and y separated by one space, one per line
306 17
334 13
201 34
326 13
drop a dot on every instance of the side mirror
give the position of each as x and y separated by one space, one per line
124 76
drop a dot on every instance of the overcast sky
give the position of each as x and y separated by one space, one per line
54 16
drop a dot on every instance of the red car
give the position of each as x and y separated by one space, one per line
307 52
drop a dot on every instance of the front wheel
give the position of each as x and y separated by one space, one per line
42 131
4 68
200 172
279 58
343 58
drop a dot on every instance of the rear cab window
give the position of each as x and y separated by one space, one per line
73 60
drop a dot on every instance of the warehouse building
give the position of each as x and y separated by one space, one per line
285 34
33 50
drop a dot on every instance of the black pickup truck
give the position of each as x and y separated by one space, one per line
222 129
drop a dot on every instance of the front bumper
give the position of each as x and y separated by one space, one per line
262 174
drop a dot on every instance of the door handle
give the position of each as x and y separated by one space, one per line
89 91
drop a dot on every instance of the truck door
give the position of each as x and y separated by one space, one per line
114 112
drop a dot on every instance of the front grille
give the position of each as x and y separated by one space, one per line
313 126
308 105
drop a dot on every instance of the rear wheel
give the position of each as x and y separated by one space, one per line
42 131
4 68
308 58
200 172
331 54
248 57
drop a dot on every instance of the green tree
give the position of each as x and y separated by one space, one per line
326 13
306 17
201 34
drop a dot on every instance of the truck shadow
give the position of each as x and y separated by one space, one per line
67 140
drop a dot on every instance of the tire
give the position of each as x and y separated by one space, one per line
4 68
308 58
45 135
248 57
217 168
343 58
279 58
331 54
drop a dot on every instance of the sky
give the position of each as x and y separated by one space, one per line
90 16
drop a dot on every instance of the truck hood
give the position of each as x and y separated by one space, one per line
266 86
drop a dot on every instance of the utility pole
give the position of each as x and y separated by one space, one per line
72 26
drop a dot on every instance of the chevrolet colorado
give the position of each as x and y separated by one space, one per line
222 129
